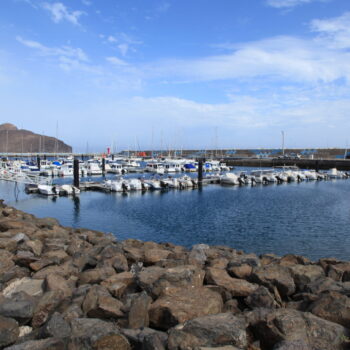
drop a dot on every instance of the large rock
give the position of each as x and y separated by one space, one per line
272 327
237 287
155 255
275 276
305 274
332 306
57 327
181 304
100 304
9 331
20 307
261 297
44 344
119 283
56 282
215 330
28 285
87 332
96 275
146 338
46 307
339 271
138 314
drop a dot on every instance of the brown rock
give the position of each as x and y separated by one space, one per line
274 327
275 276
138 314
96 275
9 331
28 285
332 306
261 297
181 304
153 256
8 244
291 260
58 283
305 274
44 344
65 270
119 283
46 307
339 272
112 342
98 303
214 330
240 271
237 287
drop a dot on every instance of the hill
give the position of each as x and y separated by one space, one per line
14 140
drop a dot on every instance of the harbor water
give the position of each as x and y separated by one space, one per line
308 218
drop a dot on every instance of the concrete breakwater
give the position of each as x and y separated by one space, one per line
66 288
318 164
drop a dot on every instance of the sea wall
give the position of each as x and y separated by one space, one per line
66 288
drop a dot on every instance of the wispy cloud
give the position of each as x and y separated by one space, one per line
69 58
290 3
335 32
123 42
59 12
117 61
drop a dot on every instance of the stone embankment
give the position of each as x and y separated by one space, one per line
64 288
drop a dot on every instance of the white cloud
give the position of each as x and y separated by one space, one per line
59 12
290 3
335 32
68 57
86 2
117 61
123 48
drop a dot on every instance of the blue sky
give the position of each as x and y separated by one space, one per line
178 74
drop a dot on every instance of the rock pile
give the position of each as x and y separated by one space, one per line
65 288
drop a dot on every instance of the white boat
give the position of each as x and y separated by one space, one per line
67 190
93 169
135 185
154 184
47 190
115 185
185 182
66 170
116 168
230 179
170 183
155 168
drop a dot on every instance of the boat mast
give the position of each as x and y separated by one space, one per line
282 132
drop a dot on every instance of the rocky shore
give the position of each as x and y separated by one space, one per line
64 288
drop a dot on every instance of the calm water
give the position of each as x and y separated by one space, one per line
310 218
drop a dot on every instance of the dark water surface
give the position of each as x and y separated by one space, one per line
310 218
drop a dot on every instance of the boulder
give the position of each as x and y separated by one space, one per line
198 254
9 331
54 282
178 305
96 275
86 332
273 327
275 276
56 327
332 306
119 283
240 271
46 307
112 342
147 277
138 314
20 307
28 285
305 274
237 287
339 271
146 338
293 345
100 304
155 255
44 344
214 330
261 297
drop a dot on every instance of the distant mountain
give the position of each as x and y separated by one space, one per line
14 140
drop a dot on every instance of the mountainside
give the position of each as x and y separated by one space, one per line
14 140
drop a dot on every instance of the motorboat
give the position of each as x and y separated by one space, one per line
47 190
230 179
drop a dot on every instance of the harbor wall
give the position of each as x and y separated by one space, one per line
317 164
72 288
